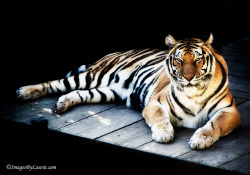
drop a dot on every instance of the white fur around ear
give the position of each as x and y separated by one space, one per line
210 39
170 41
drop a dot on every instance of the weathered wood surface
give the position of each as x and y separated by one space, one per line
116 124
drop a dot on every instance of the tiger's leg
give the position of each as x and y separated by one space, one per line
96 95
78 81
221 124
158 119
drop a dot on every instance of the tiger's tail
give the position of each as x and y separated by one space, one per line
80 80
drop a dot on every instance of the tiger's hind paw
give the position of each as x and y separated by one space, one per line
62 104
31 92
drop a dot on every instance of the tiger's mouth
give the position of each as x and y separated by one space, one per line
184 82
194 82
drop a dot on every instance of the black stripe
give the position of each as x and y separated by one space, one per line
145 93
51 88
80 96
91 94
76 79
186 110
112 75
58 90
211 62
129 80
212 125
223 81
139 76
207 57
99 80
203 52
168 63
150 74
149 63
117 78
155 60
135 53
135 98
103 96
138 96
140 58
232 100
138 52
67 85
159 100
43 88
212 108
117 97
171 109
226 106
88 80
105 70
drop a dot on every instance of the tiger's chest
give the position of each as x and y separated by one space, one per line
189 109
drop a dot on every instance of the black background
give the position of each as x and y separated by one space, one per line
43 42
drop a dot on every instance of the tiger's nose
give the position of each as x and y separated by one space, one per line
188 77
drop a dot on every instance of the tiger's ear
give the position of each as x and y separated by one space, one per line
170 41
210 39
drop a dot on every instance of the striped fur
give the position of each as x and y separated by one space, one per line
185 86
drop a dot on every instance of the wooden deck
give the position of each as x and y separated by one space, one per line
125 128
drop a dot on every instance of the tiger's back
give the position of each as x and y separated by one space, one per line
133 75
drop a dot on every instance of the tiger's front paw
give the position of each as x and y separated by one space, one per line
31 92
163 134
202 138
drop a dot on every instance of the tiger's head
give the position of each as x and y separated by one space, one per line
189 61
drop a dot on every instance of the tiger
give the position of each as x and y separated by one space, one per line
185 85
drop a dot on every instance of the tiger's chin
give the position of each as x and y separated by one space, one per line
192 84
192 89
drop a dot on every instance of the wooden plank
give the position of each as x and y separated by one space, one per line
239 100
238 164
178 147
235 57
18 111
103 123
173 149
241 43
223 151
131 136
75 114
244 130
238 69
240 94
244 110
239 83
237 51
26 112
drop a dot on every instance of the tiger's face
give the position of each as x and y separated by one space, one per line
189 61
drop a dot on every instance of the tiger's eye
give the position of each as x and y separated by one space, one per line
178 60
198 59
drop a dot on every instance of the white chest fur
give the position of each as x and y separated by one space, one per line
188 105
